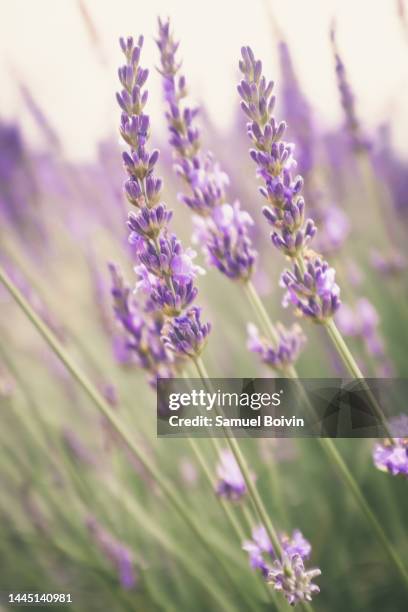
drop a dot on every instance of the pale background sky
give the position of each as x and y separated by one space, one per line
46 44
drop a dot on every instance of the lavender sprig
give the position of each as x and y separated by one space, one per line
231 484
286 352
392 458
286 573
117 553
359 142
221 227
165 270
143 330
310 284
312 290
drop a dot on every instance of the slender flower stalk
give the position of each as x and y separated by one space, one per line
165 271
258 104
105 409
272 334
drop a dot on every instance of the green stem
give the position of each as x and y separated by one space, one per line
329 447
105 409
252 490
355 371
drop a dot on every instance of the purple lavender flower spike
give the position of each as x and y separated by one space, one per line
312 290
165 271
221 228
358 141
289 576
263 557
392 458
186 335
143 329
297 110
231 483
362 321
391 265
227 243
116 552
291 342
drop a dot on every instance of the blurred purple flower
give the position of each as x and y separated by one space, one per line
287 574
391 264
186 335
358 141
290 344
231 483
117 553
314 293
392 458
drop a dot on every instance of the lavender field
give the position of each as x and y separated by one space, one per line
174 244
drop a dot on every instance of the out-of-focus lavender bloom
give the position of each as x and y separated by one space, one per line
290 576
334 227
165 271
314 292
392 458
297 110
362 321
117 553
358 141
186 335
143 329
77 447
231 483
227 244
312 289
188 471
391 264
263 557
286 352
110 393
222 228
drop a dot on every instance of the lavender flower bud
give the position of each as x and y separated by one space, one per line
392 458
186 335
314 292
225 241
358 141
116 552
289 576
223 232
262 555
231 483
290 344
165 271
